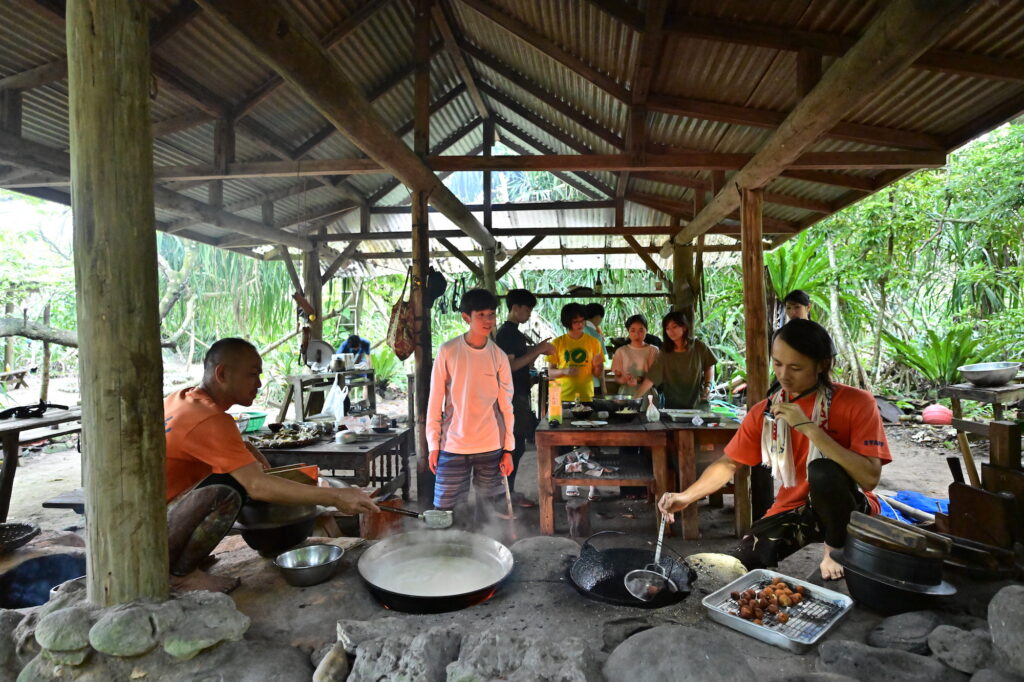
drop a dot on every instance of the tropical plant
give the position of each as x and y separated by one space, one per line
938 357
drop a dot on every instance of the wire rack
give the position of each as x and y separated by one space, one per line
807 620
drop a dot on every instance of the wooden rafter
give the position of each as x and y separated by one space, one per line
900 33
281 40
639 231
564 177
684 210
548 47
782 38
704 185
329 41
343 259
645 256
444 22
562 251
462 257
514 206
519 255
539 146
765 118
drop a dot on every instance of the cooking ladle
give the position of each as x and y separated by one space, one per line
648 582
434 518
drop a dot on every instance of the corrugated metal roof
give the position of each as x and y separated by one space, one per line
380 50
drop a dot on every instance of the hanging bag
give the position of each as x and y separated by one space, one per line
401 336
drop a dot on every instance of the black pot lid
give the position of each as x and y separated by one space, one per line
943 589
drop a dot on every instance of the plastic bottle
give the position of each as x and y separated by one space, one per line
652 413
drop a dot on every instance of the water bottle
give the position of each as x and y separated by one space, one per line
652 413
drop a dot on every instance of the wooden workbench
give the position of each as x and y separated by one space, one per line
691 445
10 433
652 436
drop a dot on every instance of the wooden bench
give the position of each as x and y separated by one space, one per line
17 377
36 435
72 499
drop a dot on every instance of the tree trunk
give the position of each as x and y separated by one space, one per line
9 344
118 301
44 386
858 376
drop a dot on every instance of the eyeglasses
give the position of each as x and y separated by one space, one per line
30 411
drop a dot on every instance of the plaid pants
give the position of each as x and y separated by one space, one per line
454 472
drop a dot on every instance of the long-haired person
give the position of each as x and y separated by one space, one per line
683 369
824 443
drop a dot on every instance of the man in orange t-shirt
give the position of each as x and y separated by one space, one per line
211 471
825 442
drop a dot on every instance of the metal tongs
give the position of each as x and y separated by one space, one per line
434 518
648 582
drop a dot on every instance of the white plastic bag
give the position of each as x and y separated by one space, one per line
334 403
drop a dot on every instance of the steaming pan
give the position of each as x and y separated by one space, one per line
470 555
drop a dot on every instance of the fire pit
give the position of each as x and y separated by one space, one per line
29 583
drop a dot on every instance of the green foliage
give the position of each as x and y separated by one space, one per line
387 368
937 357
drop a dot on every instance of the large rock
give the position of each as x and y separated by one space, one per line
1006 623
124 631
405 657
8 650
543 557
675 653
208 618
906 631
816 677
961 650
352 633
615 632
65 630
864 662
990 675
333 666
496 655
715 571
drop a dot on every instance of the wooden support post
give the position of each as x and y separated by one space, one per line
424 349
10 122
314 291
488 281
9 341
752 202
421 81
223 154
488 149
116 281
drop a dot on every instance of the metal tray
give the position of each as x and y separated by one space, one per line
809 620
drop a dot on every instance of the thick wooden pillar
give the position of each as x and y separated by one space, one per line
752 202
314 290
490 282
10 122
424 348
116 280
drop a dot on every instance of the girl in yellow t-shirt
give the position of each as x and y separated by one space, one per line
577 359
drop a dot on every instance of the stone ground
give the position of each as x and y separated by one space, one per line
538 600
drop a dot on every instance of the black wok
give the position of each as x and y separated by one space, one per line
600 573
476 566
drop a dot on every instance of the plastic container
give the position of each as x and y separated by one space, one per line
255 421
809 620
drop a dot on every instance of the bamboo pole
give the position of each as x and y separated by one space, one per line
116 283
489 281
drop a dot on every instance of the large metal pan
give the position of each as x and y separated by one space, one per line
436 571
599 574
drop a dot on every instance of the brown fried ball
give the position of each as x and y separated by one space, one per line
735 596
757 621
785 600
773 608
746 613
796 598
783 618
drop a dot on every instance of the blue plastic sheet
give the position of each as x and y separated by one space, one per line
923 502
889 511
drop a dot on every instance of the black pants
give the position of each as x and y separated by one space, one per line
833 497
199 521
525 426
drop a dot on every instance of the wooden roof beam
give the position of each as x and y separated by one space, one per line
628 15
514 206
558 104
581 251
548 47
704 186
784 38
329 41
456 253
684 210
539 146
764 118
343 259
242 204
602 231
567 178
50 160
645 256
444 21
519 255
278 37
900 33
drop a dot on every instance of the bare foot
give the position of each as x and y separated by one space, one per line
200 580
830 570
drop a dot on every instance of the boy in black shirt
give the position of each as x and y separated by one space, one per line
521 356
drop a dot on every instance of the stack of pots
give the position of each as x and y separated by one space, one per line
891 567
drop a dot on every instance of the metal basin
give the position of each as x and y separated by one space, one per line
310 565
990 373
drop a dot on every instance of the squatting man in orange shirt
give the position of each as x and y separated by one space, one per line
824 442
211 471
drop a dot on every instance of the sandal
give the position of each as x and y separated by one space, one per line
594 497
523 501
569 492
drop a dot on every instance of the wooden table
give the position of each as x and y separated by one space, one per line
653 436
308 391
1004 436
378 460
10 430
688 445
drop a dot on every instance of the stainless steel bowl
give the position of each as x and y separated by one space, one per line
310 565
990 373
